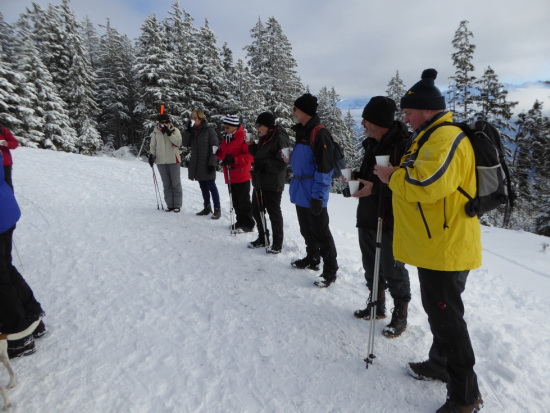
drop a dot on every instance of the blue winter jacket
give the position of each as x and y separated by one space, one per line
9 210
312 166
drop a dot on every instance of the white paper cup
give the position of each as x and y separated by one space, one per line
214 149
346 173
286 152
353 187
383 160
248 137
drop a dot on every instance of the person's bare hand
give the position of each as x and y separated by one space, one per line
365 191
384 172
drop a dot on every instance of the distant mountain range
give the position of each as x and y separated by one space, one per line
525 94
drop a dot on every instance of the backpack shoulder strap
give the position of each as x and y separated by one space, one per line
429 132
314 132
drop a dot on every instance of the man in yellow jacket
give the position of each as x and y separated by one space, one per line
434 233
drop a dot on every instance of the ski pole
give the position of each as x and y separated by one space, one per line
17 252
261 206
157 190
231 211
374 295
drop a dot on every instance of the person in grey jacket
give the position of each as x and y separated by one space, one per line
164 151
203 141
268 179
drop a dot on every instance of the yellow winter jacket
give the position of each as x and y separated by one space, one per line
432 229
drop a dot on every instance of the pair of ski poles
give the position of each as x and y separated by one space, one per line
233 230
261 207
374 294
157 190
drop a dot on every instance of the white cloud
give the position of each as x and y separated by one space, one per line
356 46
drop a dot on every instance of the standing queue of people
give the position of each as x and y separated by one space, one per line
424 222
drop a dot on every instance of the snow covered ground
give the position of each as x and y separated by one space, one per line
161 312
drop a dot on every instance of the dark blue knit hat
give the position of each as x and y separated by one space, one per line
424 94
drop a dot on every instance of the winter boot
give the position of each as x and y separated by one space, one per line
21 347
40 330
276 248
427 370
380 307
308 262
398 323
260 242
452 407
328 279
206 211
217 213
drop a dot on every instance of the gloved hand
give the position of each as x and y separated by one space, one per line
211 168
228 160
166 130
151 160
316 206
190 124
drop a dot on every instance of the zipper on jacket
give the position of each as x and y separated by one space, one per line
445 226
424 219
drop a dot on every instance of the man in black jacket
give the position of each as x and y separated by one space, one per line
385 136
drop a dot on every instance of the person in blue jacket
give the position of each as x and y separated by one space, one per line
18 307
312 165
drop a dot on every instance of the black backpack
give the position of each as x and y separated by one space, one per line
494 186
338 159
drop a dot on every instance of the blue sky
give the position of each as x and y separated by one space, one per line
356 46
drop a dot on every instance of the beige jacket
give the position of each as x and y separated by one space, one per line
165 148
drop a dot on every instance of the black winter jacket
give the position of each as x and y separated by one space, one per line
393 143
202 162
269 169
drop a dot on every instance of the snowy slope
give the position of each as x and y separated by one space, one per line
161 312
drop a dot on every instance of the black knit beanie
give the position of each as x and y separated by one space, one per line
424 94
164 117
266 119
380 111
307 103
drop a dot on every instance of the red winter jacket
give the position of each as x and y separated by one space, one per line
236 146
5 135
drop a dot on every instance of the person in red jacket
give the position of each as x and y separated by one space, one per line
7 142
237 163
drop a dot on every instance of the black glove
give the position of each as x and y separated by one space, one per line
151 160
189 126
211 169
316 206
166 130
228 160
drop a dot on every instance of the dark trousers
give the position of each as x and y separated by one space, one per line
240 195
441 298
18 307
392 274
316 233
7 175
207 188
269 201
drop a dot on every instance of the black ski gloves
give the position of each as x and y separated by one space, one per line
166 130
316 206
151 160
228 160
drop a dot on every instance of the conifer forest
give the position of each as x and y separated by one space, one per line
84 87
